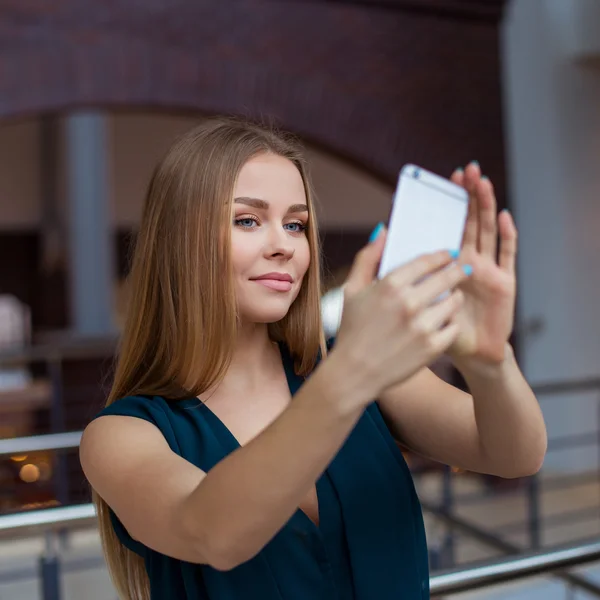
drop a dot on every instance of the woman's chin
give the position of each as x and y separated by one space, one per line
265 315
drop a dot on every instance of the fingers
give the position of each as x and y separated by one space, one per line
437 323
365 265
488 233
426 292
458 177
481 231
439 315
508 242
415 270
414 300
471 233
443 339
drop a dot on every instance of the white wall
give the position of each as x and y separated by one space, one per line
347 197
553 129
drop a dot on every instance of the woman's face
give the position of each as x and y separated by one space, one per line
270 251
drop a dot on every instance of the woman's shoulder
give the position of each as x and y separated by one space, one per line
150 408
175 419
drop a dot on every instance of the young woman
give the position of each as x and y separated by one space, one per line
239 457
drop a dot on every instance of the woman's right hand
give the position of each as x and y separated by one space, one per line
393 327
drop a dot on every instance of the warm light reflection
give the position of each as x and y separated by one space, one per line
19 458
45 470
29 473
39 505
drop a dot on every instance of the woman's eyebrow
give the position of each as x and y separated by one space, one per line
296 208
264 205
254 202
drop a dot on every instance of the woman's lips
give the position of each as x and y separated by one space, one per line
275 284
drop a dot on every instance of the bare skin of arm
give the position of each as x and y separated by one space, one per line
225 517
498 430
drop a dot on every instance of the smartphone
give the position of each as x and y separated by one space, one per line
428 214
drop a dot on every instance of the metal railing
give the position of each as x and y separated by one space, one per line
57 346
42 521
52 523
54 351
543 392
529 565
490 540
51 520
533 522
40 443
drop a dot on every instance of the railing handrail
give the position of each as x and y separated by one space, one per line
41 521
450 582
492 541
588 384
68 344
504 571
61 346
40 443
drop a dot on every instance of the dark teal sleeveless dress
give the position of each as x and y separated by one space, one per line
370 543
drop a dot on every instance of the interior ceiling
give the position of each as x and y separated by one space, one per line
472 9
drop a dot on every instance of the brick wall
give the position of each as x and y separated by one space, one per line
379 82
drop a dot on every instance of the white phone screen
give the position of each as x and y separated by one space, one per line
428 214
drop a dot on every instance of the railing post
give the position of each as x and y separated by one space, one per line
447 548
436 535
57 425
50 568
533 492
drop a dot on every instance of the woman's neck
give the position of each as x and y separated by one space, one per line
252 338
255 359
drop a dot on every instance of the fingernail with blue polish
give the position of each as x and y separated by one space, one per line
485 177
468 269
475 162
454 253
375 233
459 169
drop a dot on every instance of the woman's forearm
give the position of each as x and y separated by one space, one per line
509 421
248 496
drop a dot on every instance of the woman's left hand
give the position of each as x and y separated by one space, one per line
487 315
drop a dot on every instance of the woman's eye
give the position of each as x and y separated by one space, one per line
246 222
252 223
296 227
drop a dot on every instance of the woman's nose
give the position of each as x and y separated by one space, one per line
279 243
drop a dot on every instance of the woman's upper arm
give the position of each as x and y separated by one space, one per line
434 419
130 465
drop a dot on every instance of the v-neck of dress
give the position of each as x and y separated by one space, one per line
230 442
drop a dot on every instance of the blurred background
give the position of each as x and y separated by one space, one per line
93 93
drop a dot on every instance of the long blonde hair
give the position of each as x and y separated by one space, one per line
181 321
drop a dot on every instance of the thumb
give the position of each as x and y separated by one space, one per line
366 262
